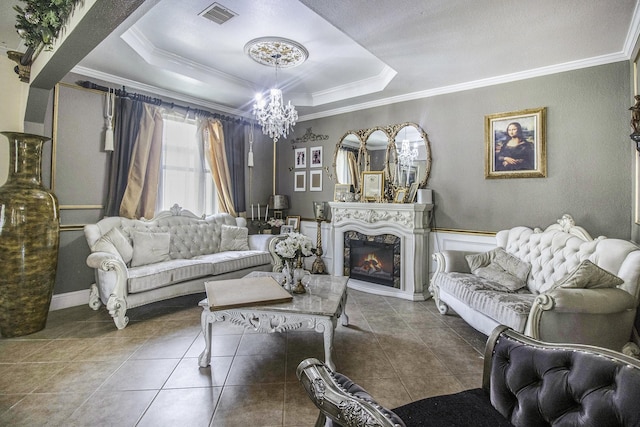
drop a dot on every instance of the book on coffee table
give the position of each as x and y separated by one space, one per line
248 291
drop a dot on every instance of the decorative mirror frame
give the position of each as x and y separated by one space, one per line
392 132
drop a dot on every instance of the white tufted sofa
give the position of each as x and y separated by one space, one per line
602 316
193 257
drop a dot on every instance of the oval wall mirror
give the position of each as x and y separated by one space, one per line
413 156
345 160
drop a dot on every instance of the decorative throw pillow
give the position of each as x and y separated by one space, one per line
234 238
149 248
499 266
495 273
589 276
114 242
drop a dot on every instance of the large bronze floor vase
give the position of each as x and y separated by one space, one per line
29 237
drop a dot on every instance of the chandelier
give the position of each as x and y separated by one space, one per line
406 156
275 118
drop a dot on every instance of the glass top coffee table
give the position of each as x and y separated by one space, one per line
318 309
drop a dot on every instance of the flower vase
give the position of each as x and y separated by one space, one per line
298 274
29 237
287 271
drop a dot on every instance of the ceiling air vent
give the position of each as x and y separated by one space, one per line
218 13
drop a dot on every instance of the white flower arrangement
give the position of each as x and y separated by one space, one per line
294 245
276 222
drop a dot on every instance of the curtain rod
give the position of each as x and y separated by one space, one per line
158 101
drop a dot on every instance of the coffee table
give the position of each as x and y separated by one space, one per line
318 309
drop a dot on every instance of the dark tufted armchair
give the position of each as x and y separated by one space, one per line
525 383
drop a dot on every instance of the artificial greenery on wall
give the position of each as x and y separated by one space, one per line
39 21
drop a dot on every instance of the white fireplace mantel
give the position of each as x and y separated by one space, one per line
409 222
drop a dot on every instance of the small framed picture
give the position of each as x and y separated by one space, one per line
300 181
286 229
372 186
515 144
340 192
315 180
294 221
401 193
300 158
316 157
413 190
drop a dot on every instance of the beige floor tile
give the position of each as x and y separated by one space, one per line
112 408
161 347
258 405
141 375
299 410
176 407
15 350
256 369
432 385
189 374
85 377
26 377
149 370
61 350
48 409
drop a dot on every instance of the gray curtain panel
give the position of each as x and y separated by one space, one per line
234 149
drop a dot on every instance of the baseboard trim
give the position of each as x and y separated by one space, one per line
69 299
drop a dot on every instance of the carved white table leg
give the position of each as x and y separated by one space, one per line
327 326
206 321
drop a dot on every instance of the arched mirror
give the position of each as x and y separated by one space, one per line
413 156
345 159
375 150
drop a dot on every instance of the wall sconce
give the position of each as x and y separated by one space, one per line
321 212
635 122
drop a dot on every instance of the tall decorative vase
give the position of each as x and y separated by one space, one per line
29 236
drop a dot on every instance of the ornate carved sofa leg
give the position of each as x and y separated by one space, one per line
117 309
435 292
94 297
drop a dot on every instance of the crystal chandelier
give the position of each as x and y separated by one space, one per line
275 118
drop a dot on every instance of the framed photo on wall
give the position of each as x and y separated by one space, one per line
372 186
300 158
315 154
315 180
300 181
515 144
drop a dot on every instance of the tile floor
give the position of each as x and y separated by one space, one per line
81 371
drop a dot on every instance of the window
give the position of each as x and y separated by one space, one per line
185 177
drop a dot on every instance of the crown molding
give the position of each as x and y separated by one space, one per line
132 84
492 81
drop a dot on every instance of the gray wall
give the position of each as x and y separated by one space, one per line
589 159
589 154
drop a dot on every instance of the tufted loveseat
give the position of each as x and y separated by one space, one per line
525 382
141 261
552 306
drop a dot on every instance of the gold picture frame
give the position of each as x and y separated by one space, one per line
515 144
372 186
413 190
400 195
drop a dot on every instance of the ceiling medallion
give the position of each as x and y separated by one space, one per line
272 51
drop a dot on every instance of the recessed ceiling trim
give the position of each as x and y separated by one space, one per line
132 84
176 63
355 88
507 78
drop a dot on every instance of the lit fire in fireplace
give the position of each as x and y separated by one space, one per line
371 264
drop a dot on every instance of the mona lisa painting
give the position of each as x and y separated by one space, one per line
515 144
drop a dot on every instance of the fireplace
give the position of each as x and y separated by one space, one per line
406 223
374 259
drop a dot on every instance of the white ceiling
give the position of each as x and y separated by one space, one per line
362 53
